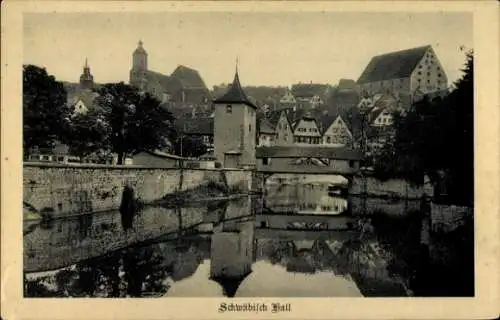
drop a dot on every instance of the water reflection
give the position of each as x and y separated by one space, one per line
242 248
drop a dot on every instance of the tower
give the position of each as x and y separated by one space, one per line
139 67
86 78
235 127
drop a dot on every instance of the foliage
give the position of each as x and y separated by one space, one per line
435 137
187 146
45 112
86 134
134 121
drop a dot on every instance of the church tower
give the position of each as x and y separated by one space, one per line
86 78
235 127
139 67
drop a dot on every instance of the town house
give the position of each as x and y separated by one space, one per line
336 132
306 131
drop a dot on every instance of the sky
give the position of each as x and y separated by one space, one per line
272 48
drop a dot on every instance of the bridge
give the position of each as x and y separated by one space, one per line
307 160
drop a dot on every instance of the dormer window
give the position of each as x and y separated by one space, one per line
229 108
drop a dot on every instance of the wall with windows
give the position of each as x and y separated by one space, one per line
235 129
429 75
307 132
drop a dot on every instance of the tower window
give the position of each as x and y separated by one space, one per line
229 108
249 128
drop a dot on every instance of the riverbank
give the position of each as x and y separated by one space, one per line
204 193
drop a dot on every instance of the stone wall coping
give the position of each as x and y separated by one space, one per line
120 167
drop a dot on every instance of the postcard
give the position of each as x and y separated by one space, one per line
237 160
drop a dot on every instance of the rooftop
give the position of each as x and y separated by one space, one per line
393 65
235 94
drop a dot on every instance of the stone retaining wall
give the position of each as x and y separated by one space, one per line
71 189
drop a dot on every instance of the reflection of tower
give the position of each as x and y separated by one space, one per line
139 67
232 255
86 78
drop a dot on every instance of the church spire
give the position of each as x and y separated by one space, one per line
140 58
235 94
86 78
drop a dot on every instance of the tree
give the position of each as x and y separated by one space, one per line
86 134
187 146
134 121
45 112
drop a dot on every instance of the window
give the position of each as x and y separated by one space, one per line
328 139
419 73
265 161
229 108
249 128
351 163
428 74
439 75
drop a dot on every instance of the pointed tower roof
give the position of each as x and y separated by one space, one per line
86 78
235 94
140 48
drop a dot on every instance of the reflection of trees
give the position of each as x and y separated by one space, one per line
134 272
400 237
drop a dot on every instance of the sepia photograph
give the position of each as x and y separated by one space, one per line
305 161
248 154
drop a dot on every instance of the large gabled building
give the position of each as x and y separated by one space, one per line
184 87
406 72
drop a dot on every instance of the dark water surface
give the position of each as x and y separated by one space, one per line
297 241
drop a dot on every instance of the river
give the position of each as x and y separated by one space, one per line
298 240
